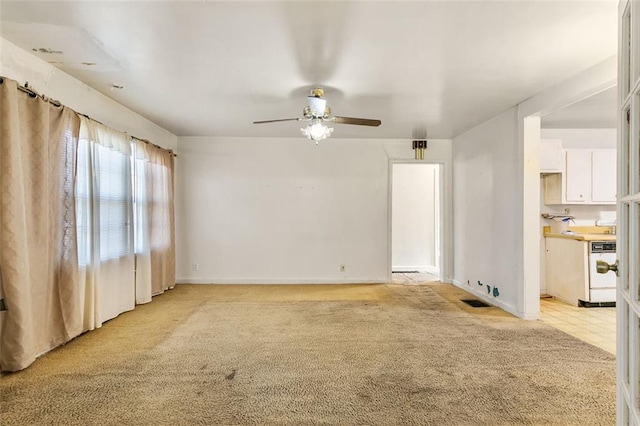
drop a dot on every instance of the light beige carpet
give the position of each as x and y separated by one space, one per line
299 355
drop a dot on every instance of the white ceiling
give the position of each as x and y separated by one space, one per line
596 112
211 68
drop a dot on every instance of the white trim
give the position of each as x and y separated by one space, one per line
628 309
433 270
389 218
262 281
529 258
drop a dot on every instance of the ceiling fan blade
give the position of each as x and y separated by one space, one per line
357 121
275 121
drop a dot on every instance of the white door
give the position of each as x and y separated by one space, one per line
628 247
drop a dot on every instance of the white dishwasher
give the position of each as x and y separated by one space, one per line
602 287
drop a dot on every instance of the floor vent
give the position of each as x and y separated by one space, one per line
405 272
475 303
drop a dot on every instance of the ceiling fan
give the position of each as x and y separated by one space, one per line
318 113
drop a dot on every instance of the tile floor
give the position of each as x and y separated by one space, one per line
596 326
412 278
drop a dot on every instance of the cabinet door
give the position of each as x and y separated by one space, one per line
567 270
603 176
553 189
551 156
577 176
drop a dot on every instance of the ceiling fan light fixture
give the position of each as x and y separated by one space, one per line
317 131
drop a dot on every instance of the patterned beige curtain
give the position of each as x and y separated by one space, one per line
38 257
162 235
154 220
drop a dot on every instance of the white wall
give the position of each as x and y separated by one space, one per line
20 65
585 215
415 203
487 210
582 138
497 194
272 210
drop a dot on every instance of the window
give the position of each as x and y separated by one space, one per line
113 200
103 201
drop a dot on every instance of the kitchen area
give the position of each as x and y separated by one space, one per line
578 219
572 260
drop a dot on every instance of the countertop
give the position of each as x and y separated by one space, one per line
582 233
582 237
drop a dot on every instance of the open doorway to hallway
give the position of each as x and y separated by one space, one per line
415 222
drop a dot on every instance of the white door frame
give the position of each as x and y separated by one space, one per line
444 222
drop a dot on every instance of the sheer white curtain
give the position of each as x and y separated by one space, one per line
154 220
104 223
142 226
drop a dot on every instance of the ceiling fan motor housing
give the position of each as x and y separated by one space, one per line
317 106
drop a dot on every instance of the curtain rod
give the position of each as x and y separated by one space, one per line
89 118
151 143
132 137
32 93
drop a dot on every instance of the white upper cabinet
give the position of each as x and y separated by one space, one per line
603 176
577 176
588 177
551 156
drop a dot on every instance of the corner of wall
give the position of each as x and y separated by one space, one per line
482 295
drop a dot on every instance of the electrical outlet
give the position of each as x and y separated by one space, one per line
342 268
195 267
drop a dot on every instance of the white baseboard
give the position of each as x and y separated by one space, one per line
432 270
492 300
287 281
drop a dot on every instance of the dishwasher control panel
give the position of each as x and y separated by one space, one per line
603 247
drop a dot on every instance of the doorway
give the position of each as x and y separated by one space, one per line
591 81
584 131
416 231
